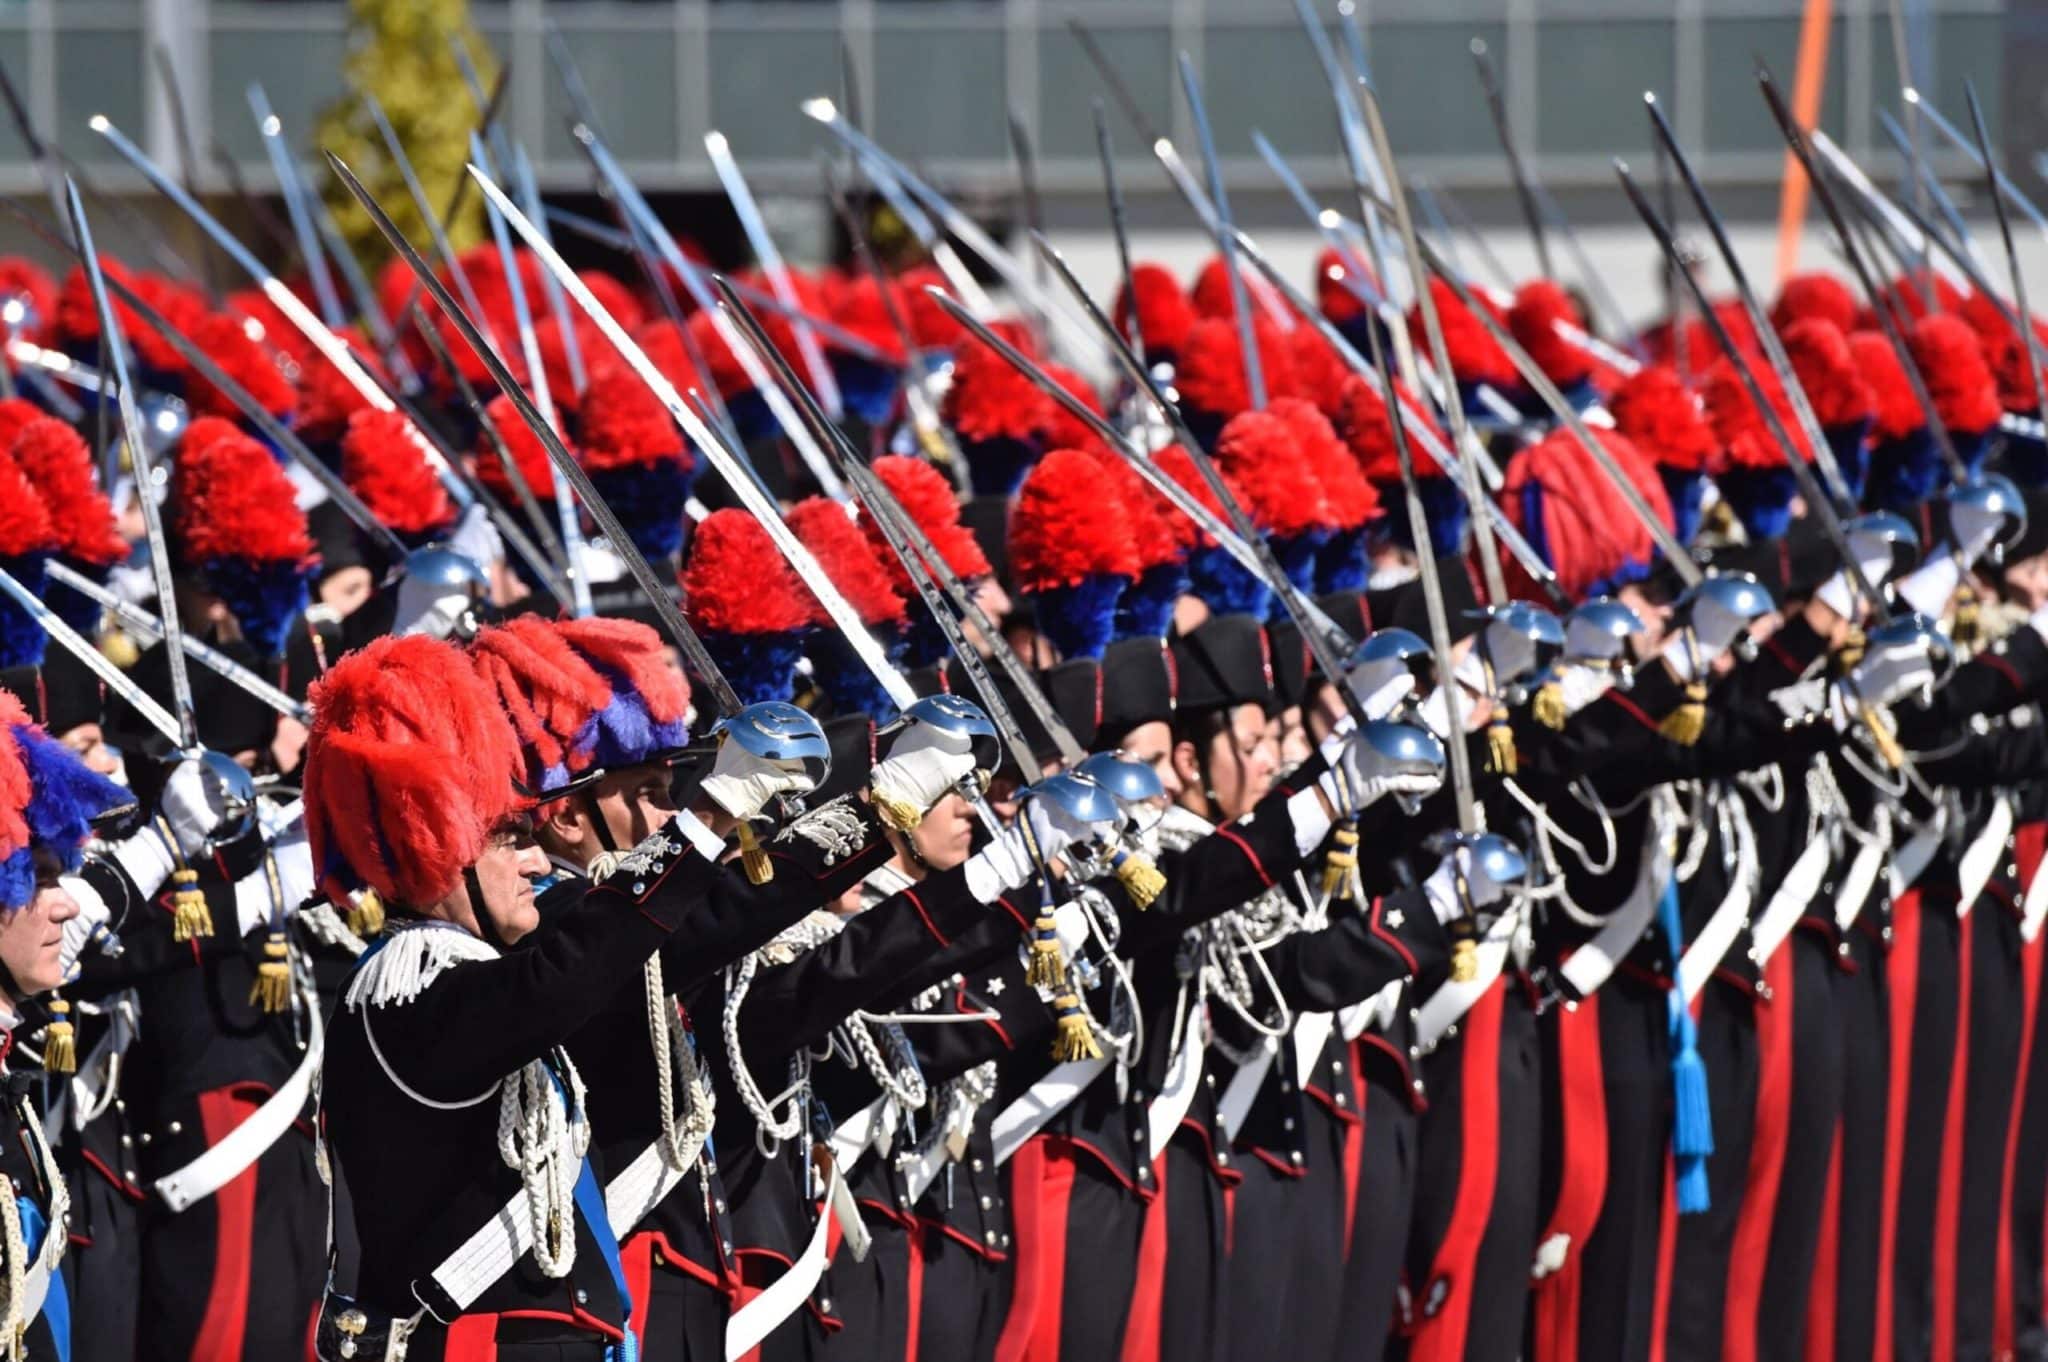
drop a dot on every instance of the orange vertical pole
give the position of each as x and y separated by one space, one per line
1807 84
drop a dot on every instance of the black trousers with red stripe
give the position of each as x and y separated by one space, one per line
1924 1013
2027 1213
1194 1300
685 1318
874 1298
1795 1182
1075 1258
1383 1205
1473 1236
1287 1249
1619 1272
1841 1324
1695 1267
1966 1263
237 1275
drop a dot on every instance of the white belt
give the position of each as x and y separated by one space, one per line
786 1295
1379 1008
1048 1097
1244 1085
852 1136
1183 1076
1794 893
1973 871
1863 871
35 1283
1592 963
1311 1033
2035 906
1710 947
243 1145
1453 1000
640 1187
1912 858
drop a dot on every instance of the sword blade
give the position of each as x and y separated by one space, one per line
96 662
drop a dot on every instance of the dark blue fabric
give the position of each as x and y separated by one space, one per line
1222 582
263 597
1688 492
1145 610
22 639
1344 563
759 666
1761 499
1297 555
997 467
1080 619
648 499
839 671
867 389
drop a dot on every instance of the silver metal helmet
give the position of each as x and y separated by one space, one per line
1518 640
1403 749
776 730
1874 528
1491 854
1738 593
438 594
1132 782
229 783
1078 797
1994 494
1911 631
959 716
1598 631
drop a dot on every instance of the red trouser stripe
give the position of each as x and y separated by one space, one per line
1042 1190
1948 1197
1148 1293
2028 845
1667 1252
1902 976
1354 1150
1582 1179
234 1209
914 1292
1827 1263
636 1260
472 1338
1750 1256
1442 1338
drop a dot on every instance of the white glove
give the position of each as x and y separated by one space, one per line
1581 685
254 905
924 763
1371 777
1435 707
1886 676
742 784
193 806
1001 866
1972 529
1442 886
1713 630
1929 588
1874 556
1057 830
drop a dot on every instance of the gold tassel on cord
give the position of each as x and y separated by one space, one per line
60 1040
753 859
1881 738
366 913
1140 878
272 990
1340 864
1047 967
1074 1039
190 915
1685 724
899 814
1967 629
1546 707
1464 951
1500 748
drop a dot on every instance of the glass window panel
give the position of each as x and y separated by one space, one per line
1067 81
1590 77
1428 89
943 92
1966 47
1736 117
759 76
301 73
99 71
631 76
1268 79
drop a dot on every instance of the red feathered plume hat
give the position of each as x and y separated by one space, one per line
1211 378
1540 306
1842 401
1363 424
1071 551
30 285
386 468
1572 514
747 604
1164 313
48 803
410 767
1260 452
77 325
1814 294
1667 421
1350 503
326 399
1162 538
638 459
1476 358
852 563
1000 417
55 460
929 500
1212 295
235 520
549 693
228 343
1754 477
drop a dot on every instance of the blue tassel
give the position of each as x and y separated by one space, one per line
841 674
1688 493
1223 582
1145 610
1692 1119
1297 556
1080 619
751 417
760 666
867 389
648 498
1904 472
997 467
22 640
264 597
65 795
1761 498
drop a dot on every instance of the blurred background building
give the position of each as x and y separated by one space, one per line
938 80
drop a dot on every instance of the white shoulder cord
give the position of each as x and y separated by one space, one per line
770 1127
675 1056
1549 830
15 1327
543 1136
906 1087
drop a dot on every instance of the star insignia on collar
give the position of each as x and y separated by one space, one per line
1396 919
995 987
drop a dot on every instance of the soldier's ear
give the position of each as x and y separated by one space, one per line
1187 764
